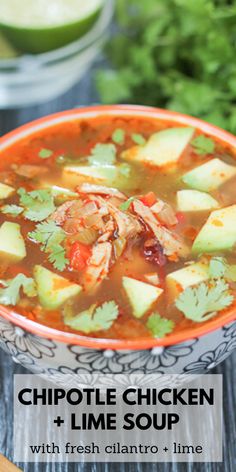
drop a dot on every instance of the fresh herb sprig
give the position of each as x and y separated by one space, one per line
50 237
37 205
94 318
10 293
202 302
45 153
103 154
152 62
203 145
159 326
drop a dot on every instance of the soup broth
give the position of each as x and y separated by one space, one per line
120 228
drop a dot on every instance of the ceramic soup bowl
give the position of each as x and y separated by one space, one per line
54 353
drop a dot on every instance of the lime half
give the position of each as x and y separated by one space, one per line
7 51
37 26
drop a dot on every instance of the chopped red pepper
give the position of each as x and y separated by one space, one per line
79 255
149 199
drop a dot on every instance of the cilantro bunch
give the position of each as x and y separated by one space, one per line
178 54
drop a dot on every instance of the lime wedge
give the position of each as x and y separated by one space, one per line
7 51
37 26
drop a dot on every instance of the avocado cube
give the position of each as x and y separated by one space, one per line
190 275
53 290
218 233
12 245
209 176
141 295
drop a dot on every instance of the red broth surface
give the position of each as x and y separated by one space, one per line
97 246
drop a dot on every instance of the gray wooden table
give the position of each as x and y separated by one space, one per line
84 94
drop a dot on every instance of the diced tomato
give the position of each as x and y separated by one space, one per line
190 232
181 217
149 199
79 254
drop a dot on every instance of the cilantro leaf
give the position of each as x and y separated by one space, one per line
50 236
159 326
217 267
203 145
57 256
201 303
10 295
46 233
125 205
94 319
118 136
45 153
38 204
103 154
138 139
13 210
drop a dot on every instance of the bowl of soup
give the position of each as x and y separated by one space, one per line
117 242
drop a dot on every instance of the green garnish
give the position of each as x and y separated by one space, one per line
57 257
125 205
202 302
38 204
159 326
103 154
118 136
46 233
10 294
203 145
151 61
217 267
50 237
94 319
45 153
13 210
138 139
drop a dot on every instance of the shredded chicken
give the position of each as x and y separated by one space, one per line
98 210
98 266
171 242
109 229
77 215
164 213
100 190
97 213
60 215
85 209
127 225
